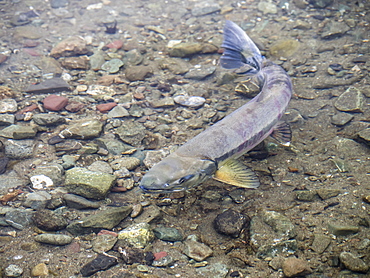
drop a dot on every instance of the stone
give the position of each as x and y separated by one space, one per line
7 119
112 145
105 107
76 63
137 235
78 202
118 112
205 7
74 106
48 220
117 44
200 72
162 102
72 46
136 73
8 105
112 66
54 239
214 270
320 243
334 29
18 132
97 60
104 219
48 119
133 255
326 193
267 7
18 149
103 243
56 4
342 230
19 218
100 92
185 49
101 262
306 195
196 250
231 223
353 262
364 135
128 162
340 119
153 157
100 166
321 3
168 234
293 267
150 214
133 57
53 85
352 100
53 171
131 132
190 101
39 270
13 270
284 48
83 129
280 224
88 184
37 200
175 65
55 103
284 248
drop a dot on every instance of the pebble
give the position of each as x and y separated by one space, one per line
267 7
7 119
100 92
175 65
133 57
205 7
55 103
190 101
196 250
293 267
284 48
78 202
97 60
74 106
280 224
19 218
48 119
327 193
72 46
18 149
52 85
320 243
364 135
150 214
321 3
200 72
101 262
162 103
106 107
184 50
114 146
352 100
54 239
83 129
215 270
137 209
100 166
137 235
284 248
352 262
112 66
18 132
42 175
40 270
133 255
103 243
13 270
89 184
76 63
128 162
104 219
37 200
118 112
48 220
117 44
306 195
342 230
8 105
56 4
231 223
168 234
340 119
131 132
334 29
136 73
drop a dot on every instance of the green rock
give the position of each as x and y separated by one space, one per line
54 239
185 49
48 119
342 230
131 132
328 193
286 247
137 235
284 48
279 223
18 132
89 184
83 129
104 219
320 243
168 234
103 243
114 146
352 100
112 66
306 195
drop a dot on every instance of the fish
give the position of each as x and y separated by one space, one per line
214 152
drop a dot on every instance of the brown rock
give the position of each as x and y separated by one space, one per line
115 44
136 73
81 62
29 108
55 103
6 92
74 106
105 107
71 46
293 267
3 58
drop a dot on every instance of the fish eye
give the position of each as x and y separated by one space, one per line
184 179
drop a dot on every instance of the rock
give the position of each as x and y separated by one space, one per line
284 48
190 101
280 224
54 102
53 171
133 57
320 243
334 29
134 255
13 270
37 200
117 44
128 162
89 184
97 60
137 235
100 166
231 223
76 63
293 267
352 100
101 93
48 119
326 193
83 129
105 219
78 202
74 106
7 119
101 262
153 157
112 66
118 112
3 164
40 270
364 135
185 49
68 145
53 239
48 220
72 46
267 7
175 65
341 119
18 132
196 250
18 149
136 73
131 132
215 270
8 105
162 102
168 234
321 3
150 214
19 218
205 7
306 195
114 146
53 85
353 262
105 107
162 259
103 243
342 230
200 72
284 248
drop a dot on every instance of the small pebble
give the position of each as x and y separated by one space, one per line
39 270
53 239
13 270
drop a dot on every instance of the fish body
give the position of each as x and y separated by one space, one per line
208 153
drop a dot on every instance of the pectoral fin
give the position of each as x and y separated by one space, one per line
236 173
282 133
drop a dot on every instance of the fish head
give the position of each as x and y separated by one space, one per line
176 173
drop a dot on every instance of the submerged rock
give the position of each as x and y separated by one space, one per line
293 267
352 100
215 270
101 262
54 239
231 222
83 129
48 220
78 202
342 230
190 101
353 262
72 46
196 250
137 235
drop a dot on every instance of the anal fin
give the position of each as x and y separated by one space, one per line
282 133
236 173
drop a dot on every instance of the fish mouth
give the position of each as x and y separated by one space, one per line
160 190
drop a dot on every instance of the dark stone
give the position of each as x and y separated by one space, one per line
101 262
55 140
78 202
231 223
132 255
52 85
3 163
47 220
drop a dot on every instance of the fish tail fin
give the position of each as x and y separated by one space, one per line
236 45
